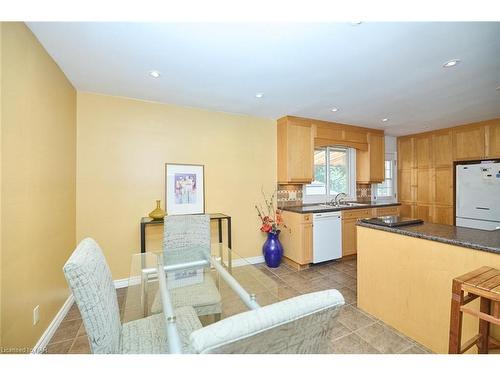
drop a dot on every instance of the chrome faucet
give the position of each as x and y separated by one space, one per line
339 200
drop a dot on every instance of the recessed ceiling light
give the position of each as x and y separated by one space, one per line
154 73
259 95
498 88
451 63
385 119
334 109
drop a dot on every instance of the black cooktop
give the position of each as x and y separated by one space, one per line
392 221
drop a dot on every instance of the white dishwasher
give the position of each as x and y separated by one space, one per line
327 236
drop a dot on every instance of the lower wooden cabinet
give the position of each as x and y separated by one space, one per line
297 239
349 237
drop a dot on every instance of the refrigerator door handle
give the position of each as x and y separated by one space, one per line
482 208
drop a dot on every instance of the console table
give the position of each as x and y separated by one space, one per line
145 221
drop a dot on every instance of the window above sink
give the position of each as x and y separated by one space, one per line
334 172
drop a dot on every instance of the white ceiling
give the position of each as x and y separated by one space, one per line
369 71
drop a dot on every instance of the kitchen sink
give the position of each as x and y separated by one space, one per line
343 205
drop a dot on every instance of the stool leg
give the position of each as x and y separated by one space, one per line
457 296
484 327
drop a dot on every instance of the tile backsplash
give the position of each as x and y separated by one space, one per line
291 195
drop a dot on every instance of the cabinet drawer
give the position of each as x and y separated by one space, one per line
357 214
387 211
307 218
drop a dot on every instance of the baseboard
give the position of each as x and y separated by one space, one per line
245 261
53 326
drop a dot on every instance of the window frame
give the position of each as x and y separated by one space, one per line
389 157
351 176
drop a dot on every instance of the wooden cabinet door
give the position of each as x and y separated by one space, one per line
377 157
349 246
406 210
424 212
443 215
423 151
406 159
441 149
405 185
307 243
493 140
424 185
300 153
443 186
468 143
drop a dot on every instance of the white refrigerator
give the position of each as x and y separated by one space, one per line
478 195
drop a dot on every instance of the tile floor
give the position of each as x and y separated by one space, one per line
355 331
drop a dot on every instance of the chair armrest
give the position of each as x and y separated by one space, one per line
250 323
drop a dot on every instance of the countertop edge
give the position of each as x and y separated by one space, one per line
448 241
296 210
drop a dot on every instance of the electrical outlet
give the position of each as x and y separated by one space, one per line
36 314
292 195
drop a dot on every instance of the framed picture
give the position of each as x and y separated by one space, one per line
184 189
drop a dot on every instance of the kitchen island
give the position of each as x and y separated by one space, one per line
405 276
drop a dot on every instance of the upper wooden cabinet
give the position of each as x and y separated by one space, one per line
406 153
295 151
423 151
370 164
441 149
468 142
493 139
298 136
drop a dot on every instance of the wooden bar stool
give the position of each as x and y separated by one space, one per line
483 283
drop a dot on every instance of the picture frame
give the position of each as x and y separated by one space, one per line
184 188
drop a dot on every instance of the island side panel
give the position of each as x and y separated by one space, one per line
406 283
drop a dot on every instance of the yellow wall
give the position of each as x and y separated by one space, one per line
122 146
38 156
406 283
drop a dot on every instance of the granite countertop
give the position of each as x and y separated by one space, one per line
466 237
316 208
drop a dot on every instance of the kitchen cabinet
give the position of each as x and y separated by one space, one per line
424 185
468 142
406 153
443 214
443 186
493 139
441 149
423 151
297 239
295 151
349 228
349 237
386 211
370 166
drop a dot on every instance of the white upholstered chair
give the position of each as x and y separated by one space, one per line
184 232
90 281
298 325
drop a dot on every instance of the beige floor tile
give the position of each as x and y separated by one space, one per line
344 279
80 346
67 330
283 269
73 313
311 273
352 344
353 318
61 347
82 331
338 330
414 349
349 295
383 339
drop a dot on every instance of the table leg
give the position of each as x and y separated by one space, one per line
143 238
219 223
229 245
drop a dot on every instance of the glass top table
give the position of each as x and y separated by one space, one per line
216 282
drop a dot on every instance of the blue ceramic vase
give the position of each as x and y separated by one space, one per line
272 250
